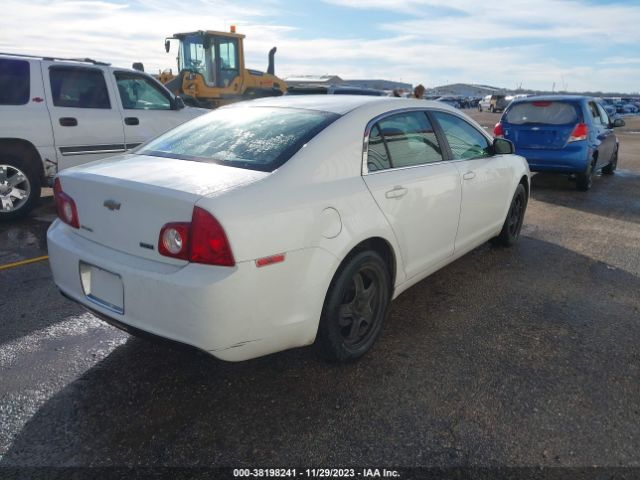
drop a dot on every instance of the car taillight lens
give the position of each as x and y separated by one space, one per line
580 132
201 241
209 243
174 240
65 206
498 131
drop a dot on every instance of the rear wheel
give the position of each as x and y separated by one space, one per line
513 223
611 166
19 187
355 308
585 180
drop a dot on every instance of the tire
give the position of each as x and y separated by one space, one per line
355 308
479 108
19 187
510 232
611 166
585 180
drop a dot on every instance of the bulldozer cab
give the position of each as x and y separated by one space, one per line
211 70
214 55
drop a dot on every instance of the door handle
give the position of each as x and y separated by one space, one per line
396 192
68 121
469 175
132 121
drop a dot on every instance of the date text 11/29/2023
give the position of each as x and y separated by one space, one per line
315 473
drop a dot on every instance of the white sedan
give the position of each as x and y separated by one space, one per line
281 222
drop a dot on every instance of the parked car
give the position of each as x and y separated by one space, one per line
450 100
493 103
333 90
56 114
562 133
269 224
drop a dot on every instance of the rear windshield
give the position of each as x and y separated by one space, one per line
257 138
544 112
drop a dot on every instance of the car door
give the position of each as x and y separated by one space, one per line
85 119
605 135
417 191
147 108
486 180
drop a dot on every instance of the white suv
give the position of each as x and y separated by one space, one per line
59 113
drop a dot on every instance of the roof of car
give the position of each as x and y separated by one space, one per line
551 98
339 104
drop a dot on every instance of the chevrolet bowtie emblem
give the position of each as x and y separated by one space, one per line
111 204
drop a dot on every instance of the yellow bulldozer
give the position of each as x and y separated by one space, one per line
211 70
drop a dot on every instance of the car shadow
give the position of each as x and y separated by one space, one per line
612 196
500 358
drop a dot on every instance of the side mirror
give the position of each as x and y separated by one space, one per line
178 103
502 146
618 122
167 45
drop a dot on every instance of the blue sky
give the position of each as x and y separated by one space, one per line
576 44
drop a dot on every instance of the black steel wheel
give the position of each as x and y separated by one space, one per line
355 308
515 217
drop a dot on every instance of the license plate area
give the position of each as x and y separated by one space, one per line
102 287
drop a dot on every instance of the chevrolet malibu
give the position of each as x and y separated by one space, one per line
282 222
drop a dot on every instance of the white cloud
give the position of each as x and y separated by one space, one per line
492 42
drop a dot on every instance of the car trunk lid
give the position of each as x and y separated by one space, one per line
124 202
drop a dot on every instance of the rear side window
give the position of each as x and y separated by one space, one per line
257 138
14 82
409 139
78 88
544 112
377 155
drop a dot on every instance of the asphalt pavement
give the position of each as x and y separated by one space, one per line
507 357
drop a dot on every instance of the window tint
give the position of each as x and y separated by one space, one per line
78 87
410 139
258 138
464 139
603 115
595 114
544 112
377 157
14 82
140 93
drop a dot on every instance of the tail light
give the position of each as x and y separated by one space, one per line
174 240
498 131
65 206
201 241
580 132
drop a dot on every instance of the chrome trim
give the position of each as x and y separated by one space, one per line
105 305
395 169
365 145
86 152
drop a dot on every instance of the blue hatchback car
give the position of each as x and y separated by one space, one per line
562 133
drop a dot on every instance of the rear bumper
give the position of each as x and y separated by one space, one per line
573 159
234 313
